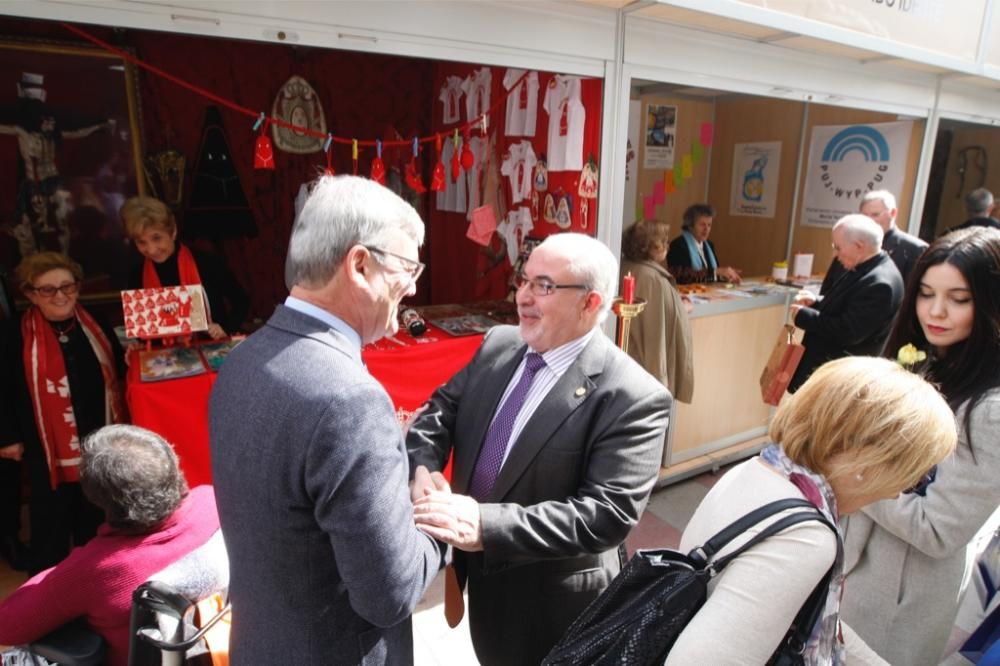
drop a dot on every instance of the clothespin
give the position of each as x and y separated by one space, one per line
354 155
329 155
259 121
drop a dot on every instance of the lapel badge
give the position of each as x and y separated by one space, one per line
579 392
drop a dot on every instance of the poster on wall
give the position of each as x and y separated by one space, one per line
755 178
661 135
846 161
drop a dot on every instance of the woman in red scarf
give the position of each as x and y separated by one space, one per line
151 226
62 372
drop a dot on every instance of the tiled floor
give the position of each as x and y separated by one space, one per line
436 644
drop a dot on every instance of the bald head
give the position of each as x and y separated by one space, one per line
856 238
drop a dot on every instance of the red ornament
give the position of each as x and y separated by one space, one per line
468 159
437 176
378 167
263 153
412 177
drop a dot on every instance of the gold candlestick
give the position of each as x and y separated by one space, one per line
626 312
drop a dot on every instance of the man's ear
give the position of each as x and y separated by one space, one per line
593 302
356 263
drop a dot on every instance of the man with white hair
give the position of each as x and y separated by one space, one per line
904 249
852 317
557 438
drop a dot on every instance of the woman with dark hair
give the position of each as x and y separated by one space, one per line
61 370
153 522
692 256
905 559
660 339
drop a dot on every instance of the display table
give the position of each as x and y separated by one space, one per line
734 330
409 368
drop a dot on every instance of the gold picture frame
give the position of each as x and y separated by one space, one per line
70 154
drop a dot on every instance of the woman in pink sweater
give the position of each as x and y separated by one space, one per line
152 521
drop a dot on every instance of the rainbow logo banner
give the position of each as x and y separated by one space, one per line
846 162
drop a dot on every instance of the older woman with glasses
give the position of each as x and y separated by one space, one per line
60 370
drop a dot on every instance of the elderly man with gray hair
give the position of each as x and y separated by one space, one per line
557 437
853 316
307 456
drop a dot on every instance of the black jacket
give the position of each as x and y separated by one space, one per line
853 318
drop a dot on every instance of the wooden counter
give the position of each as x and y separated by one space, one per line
733 330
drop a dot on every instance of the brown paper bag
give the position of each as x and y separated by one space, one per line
780 366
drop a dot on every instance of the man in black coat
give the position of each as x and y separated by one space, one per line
852 318
979 205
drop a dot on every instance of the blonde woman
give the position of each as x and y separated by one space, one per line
859 430
151 226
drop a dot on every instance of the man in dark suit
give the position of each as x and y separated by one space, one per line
308 459
979 205
853 316
904 249
557 438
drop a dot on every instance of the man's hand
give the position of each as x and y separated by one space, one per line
12 451
804 297
425 482
453 519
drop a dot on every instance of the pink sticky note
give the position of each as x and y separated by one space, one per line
706 134
648 208
482 225
658 193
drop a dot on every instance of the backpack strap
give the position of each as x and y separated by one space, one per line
707 551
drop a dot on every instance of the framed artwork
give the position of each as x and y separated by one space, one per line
70 153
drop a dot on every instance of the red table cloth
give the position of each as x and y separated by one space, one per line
409 369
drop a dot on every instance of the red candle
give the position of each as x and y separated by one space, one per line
628 288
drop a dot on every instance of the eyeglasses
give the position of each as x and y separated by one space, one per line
544 287
920 487
414 268
48 291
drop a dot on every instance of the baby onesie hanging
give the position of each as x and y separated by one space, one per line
454 197
477 93
522 102
517 166
566 122
451 95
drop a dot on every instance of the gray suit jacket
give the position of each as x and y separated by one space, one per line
573 486
906 559
311 478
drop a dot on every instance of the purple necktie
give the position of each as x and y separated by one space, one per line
498 436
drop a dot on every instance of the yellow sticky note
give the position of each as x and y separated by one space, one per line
686 167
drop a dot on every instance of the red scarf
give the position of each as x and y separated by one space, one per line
48 386
187 270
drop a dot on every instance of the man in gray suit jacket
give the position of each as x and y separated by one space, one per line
552 486
308 459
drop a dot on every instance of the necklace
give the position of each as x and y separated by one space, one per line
63 333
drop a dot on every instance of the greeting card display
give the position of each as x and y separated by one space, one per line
164 312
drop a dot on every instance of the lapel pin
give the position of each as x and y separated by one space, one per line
580 391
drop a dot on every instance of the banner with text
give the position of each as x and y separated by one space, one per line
755 178
846 161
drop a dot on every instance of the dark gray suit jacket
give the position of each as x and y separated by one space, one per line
573 486
311 476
